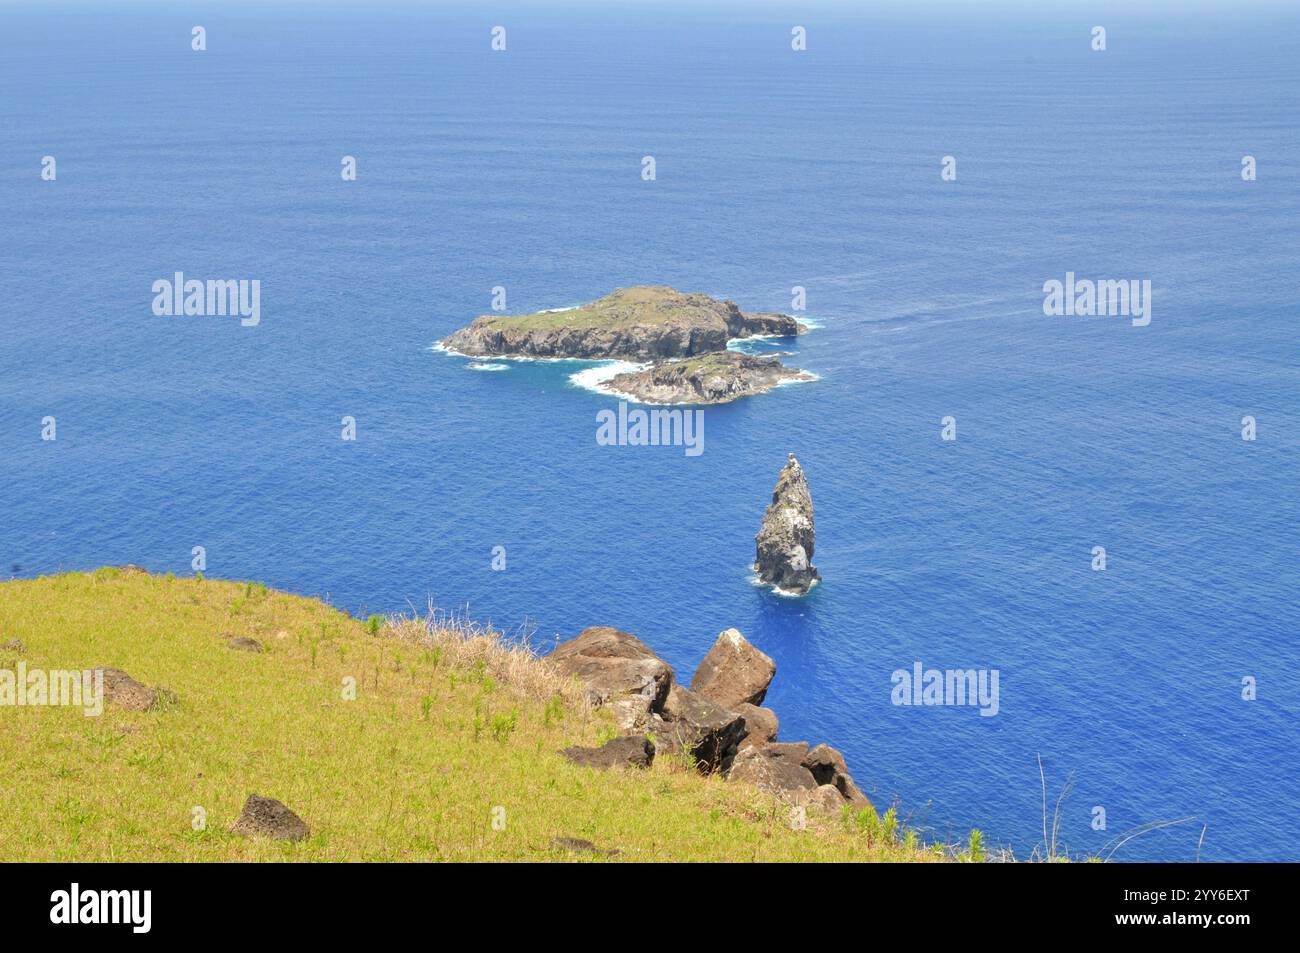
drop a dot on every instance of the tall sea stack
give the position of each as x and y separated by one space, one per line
786 540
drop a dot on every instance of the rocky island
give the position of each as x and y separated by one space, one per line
709 379
784 544
683 338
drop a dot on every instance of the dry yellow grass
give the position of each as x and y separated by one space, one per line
449 729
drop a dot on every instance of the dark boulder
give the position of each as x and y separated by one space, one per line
632 751
828 767
124 691
267 817
702 728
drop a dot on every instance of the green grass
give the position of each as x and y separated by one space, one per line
724 361
625 308
447 725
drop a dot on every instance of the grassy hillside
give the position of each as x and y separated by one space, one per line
447 725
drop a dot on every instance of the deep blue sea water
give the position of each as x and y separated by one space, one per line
774 169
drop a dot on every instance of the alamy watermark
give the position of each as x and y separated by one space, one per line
1106 298
636 427
133 908
62 687
954 686
216 296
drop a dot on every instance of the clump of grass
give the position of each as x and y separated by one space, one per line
1051 851
607 733
489 659
505 723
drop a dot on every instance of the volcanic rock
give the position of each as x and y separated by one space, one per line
578 845
825 797
774 769
267 817
614 664
734 672
715 378
828 767
124 691
632 751
761 725
706 730
786 539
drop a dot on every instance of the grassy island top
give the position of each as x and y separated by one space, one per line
625 308
447 725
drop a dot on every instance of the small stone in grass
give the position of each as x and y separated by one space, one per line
267 817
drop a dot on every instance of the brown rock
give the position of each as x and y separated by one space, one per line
774 769
734 672
828 767
761 725
613 664
13 645
824 797
632 713
825 762
793 751
245 644
124 691
576 845
267 817
632 751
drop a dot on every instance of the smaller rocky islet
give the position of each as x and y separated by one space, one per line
785 542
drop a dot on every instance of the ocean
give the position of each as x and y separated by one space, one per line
775 169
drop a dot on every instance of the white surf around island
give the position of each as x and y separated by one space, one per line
440 348
754 580
596 379
805 377
481 366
